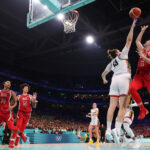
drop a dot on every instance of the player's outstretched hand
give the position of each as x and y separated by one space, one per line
87 116
105 81
34 95
143 28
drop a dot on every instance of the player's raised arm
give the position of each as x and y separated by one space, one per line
139 38
146 59
14 100
88 115
130 35
34 101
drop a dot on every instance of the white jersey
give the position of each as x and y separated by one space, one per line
94 118
119 65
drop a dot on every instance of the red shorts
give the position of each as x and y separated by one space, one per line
143 78
24 115
4 117
22 120
8 118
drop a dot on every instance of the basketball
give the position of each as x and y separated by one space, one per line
135 13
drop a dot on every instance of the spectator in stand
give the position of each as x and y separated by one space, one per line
102 129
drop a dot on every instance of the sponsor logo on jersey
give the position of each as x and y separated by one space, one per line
3 95
24 98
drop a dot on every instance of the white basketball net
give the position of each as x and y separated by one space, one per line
70 21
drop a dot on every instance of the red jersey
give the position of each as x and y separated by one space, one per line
5 101
143 65
25 103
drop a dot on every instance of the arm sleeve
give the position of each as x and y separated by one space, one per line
134 105
108 68
124 53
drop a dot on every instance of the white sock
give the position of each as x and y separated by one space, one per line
118 127
121 132
128 130
109 125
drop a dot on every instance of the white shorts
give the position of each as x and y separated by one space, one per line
128 120
120 85
94 122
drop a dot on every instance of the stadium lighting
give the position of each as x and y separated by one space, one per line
90 39
60 16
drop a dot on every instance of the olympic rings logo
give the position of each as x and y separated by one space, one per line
58 138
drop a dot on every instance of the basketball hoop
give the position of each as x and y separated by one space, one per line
70 20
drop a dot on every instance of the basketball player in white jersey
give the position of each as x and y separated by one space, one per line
120 83
128 119
94 123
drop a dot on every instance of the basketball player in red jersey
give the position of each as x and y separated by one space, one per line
5 107
26 102
142 76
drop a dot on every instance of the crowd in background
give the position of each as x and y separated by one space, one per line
58 126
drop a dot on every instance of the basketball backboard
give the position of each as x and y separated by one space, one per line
41 11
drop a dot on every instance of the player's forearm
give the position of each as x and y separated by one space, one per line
14 105
34 104
139 38
88 116
130 35
146 59
104 74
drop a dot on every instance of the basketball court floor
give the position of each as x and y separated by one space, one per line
74 147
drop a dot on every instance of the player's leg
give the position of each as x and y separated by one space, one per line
15 136
123 85
15 130
23 127
19 125
135 85
114 97
97 134
126 125
121 113
122 135
127 128
10 123
90 134
147 83
123 88
110 113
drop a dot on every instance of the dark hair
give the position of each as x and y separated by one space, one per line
23 85
4 82
112 52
